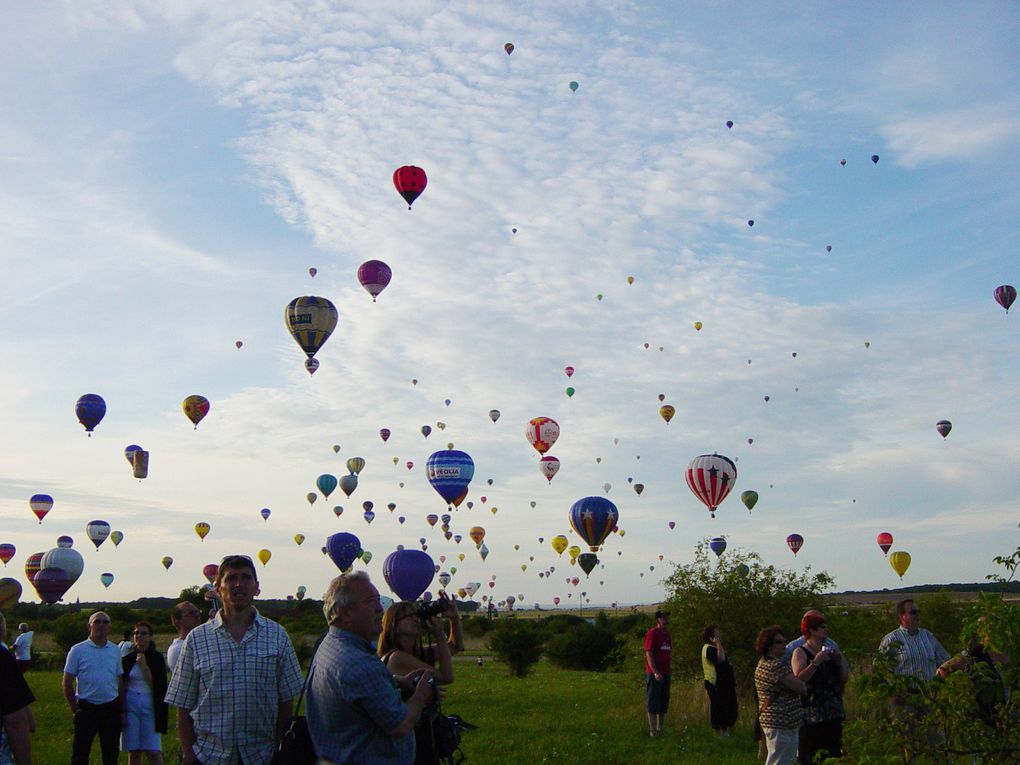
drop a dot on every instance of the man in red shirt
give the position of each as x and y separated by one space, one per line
657 664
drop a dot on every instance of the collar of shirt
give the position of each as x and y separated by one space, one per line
253 628
356 641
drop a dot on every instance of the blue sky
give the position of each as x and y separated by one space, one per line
170 172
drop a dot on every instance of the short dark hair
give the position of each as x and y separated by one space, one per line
763 643
706 634
901 606
147 626
234 562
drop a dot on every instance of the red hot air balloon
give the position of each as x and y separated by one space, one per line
1005 294
374 275
569 371
410 182
795 542
711 478
885 541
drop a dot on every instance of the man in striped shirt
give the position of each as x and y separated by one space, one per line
235 679
918 653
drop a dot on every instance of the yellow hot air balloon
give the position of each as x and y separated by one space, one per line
666 412
299 538
559 544
460 556
698 325
900 562
356 465
202 529
477 534
494 509
573 551
264 556
195 407
630 280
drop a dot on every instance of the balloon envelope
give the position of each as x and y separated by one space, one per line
310 321
542 433
106 579
66 559
196 408
342 549
943 427
749 498
718 545
795 542
450 472
900 562
374 275
90 410
1005 294
549 466
32 565
264 556
593 518
408 573
587 561
209 571
326 483
348 484
10 592
41 504
885 541
410 182
711 478
51 584
97 531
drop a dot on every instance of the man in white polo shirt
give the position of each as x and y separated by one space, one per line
92 689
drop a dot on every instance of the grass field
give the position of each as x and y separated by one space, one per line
552 716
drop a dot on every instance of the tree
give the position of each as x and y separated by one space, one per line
740 595
518 642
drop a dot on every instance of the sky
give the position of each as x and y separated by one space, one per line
169 171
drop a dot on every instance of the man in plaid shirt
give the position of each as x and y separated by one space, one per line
236 678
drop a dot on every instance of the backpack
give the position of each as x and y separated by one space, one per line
437 738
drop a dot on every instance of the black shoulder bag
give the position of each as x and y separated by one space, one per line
296 746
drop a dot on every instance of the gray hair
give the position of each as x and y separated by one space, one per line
338 594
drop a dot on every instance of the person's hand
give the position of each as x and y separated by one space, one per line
657 676
824 655
407 682
140 659
424 690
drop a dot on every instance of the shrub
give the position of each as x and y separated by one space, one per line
518 642
587 647
477 626
70 629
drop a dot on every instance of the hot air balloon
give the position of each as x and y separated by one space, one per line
97 531
310 320
106 579
570 392
477 534
450 472
64 558
426 430
559 543
343 548
900 562
140 464
885 541
369 516
129 452
239 344
202 529
410 182
666 412
313 271
593 518
1005 294
943 427
312 497
348 484
587 561
7 552
638 488
749 498
874 158
366 557
90 410
374 275
842 163
483 551
209 571
65 541
299 539
718 545
264 556
117 537
355 465
509 48
573 86
542 433
41 504
444 578
698 325
408 573
326 483
384 434
195 408
549 466
795 542
32 565
729 123
265 512
10 592
711 478
51 584
300 592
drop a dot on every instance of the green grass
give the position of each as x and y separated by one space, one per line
552 716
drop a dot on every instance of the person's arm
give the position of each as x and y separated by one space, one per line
186 735
794 683
423 694
804 669
444 674
456 639
17 727
720 652
68 687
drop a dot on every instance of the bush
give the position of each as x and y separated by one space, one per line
587 647
518 642
741 595
70 629
477 626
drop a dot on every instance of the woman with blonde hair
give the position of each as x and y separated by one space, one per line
402 645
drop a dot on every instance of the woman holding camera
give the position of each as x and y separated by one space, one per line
402 644
825 671
144 686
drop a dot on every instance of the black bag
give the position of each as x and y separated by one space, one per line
438 737
296 746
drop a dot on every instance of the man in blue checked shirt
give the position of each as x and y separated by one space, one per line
355 712
236 678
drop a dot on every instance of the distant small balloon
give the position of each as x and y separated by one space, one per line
729 123
874 158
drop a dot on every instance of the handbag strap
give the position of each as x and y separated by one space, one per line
308 677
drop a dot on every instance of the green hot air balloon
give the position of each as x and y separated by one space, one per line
749 498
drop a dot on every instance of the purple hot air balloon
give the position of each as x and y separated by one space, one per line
795 542
265 512
343 548
374 275
408 573
51 584
1005 294
718 545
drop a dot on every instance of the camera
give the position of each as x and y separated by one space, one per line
426 610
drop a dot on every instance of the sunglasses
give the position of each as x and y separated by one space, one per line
914 611
230 560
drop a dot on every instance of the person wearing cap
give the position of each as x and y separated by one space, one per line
91 686
918 653
658 652
22 647
235 679
825 671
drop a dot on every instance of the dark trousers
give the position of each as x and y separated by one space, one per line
820 737
91 719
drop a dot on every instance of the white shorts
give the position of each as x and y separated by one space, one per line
140 725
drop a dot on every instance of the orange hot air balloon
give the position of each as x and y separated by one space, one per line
477 534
